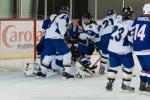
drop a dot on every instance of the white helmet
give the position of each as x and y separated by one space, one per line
146 8
52 16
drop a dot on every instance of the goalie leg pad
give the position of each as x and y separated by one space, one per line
67 60
80 73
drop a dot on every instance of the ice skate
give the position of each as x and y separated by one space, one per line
142 86
67 76
109 85
128 88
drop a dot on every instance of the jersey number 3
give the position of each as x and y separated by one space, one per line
119 31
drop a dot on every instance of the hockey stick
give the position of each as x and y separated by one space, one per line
89 69
93 66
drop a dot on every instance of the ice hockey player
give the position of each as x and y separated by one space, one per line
54 42
89 38
56 65
141 39
120 53
35 69
105 28
81 49
46 25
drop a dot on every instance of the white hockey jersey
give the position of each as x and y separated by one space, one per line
119 39
90 32
106 24
58 27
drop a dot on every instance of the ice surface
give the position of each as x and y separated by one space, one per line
14 86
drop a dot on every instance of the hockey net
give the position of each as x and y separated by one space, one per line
18 38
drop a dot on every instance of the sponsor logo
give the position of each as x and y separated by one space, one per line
10 36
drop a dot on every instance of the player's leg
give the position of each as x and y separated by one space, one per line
104 53
40 45
89 52
128 63
112 70
47 56
103 62
77 56
62 48
145 73
83 59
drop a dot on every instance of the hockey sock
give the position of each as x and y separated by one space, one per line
126 82
103 61
68 69
148 77
143 77
112 73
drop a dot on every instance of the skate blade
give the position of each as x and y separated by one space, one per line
108 90
142 92
50 74
65 78
128 91
29 75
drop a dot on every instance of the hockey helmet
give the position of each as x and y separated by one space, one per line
64 9
86 17
52 17
127 12
146 8
110 12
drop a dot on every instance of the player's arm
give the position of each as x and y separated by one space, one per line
131 33
46 24
62 26
63 23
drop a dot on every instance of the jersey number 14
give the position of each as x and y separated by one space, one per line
139 32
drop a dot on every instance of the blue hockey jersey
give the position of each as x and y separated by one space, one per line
140 33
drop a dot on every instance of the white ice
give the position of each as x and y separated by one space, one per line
14 86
